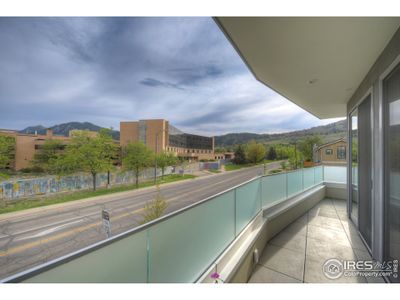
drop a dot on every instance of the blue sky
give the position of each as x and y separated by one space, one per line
104 70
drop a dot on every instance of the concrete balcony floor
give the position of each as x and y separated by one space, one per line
297 253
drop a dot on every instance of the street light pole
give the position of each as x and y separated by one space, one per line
155 156
155 160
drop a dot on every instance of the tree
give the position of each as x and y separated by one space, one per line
240 155
271 153
110 150
306 146
255 152
7 146
165 159
154 209
295 157
86 153
136 157
46 155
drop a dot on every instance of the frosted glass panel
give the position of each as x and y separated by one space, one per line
294 182
273 188
184 246
308 177
122 261
248 203
318 175
335 174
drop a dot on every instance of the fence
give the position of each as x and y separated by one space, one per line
23 188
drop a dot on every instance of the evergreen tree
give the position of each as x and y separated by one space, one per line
240 155
271 153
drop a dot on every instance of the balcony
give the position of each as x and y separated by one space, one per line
298 252
292 221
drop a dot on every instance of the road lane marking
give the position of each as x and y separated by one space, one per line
61 235
48 231
70 232
47 225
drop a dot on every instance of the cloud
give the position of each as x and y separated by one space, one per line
157 83
105 70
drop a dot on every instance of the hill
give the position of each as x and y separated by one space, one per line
327 133
64 129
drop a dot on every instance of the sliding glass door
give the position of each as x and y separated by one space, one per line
360 179
354 166
391 100
364 170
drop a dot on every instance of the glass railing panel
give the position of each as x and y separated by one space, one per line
294 182
122 261
319 174
184 246
248 203
335 174
273 188
308 177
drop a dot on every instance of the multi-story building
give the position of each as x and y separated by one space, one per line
26 145
159 135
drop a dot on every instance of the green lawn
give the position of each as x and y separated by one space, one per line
214 171
60 198
232 167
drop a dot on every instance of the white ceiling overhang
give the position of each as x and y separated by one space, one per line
317 63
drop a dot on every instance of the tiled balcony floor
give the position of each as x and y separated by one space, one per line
298 253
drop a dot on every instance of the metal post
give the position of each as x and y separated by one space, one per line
234 205
287 192
155 160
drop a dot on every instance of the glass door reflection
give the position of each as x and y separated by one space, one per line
354 166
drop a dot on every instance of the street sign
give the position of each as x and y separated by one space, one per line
105 215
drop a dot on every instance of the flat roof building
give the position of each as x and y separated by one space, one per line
26 145
159 135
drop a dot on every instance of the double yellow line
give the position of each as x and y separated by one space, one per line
61 235
21 248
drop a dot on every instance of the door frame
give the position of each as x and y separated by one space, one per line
382 170
369 93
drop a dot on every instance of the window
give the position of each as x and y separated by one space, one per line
328 151
341 152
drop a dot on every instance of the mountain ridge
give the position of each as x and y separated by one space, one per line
65 128
327 132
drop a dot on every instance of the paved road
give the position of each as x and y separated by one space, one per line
41 235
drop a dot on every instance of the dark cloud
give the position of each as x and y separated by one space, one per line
104 70
156 83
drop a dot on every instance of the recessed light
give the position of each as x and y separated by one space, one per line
312 81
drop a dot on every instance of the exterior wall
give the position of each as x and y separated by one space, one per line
154 127
26 144
129 132
372 84
332 158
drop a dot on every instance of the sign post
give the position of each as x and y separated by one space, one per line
105 215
